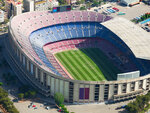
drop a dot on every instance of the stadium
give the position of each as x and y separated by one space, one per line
87 56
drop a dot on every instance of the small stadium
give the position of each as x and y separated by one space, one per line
86 56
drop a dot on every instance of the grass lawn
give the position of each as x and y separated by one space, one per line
89 64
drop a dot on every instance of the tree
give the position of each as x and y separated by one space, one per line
3 93
82 1
59 98
62 2
6 102
141 103
26 94
31 94
82 8
1 83
95 3
20 96
132 108
78 2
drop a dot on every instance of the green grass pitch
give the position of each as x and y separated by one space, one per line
89 64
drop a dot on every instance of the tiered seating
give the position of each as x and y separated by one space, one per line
85 16
77 16
35 29
55 64
71 17
67 31
79 30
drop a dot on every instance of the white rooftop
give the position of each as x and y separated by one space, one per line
136 38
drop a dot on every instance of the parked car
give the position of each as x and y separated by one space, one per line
95 10
118 108
123 106
115 9
47 107
109 6
147 29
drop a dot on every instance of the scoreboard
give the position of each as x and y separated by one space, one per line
61 8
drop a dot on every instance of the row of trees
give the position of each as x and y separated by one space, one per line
89 4
26 92
6 102
141 104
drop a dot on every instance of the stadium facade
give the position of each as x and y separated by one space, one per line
28 53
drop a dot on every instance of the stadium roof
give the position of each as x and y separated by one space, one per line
137 39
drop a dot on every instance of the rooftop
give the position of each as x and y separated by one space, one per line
137 39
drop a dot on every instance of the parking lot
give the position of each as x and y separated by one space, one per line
98 108
86 108
130 12
125 12
23 107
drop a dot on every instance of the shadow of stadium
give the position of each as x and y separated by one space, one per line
89 51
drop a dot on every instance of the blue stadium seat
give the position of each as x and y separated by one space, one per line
92 29
61 31
65 27
42 56
85 27
72 29
51 36
79 30
55 32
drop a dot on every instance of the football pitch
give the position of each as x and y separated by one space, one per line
89 64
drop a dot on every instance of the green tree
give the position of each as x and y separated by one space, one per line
59 98
3 93
139 102
26 94
132 108
20 96
6 102
31 94
1 83
95 3
82 8
78 2
62 2
82 1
